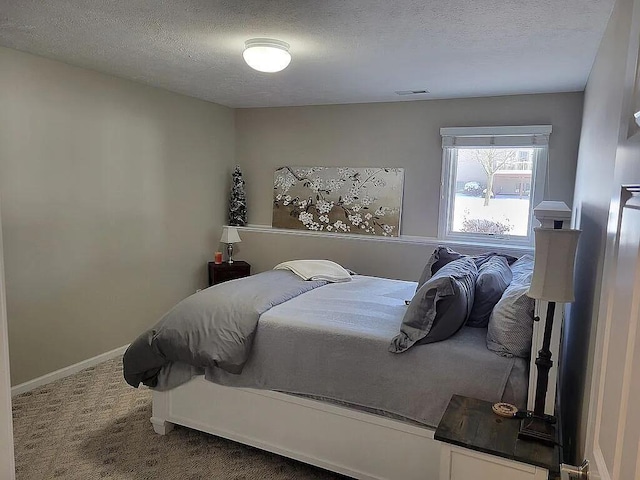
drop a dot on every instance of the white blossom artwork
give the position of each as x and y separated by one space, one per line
339 199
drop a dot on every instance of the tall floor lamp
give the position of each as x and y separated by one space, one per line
555 251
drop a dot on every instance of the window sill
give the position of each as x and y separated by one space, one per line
463 245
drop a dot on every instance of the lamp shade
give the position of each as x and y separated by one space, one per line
554 261
230 235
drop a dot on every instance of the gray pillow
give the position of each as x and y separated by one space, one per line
494 276
511 323
485 257
522 270
440 306
443 255
440 257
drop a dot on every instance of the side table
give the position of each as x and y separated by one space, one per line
481 445
222 272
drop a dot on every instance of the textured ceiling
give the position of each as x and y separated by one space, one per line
344 51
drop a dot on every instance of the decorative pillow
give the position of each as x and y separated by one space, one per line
440 257
494 276
522 269
316 270
485 257
511 323
440 306
443 255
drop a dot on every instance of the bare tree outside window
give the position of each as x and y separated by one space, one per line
492 177
491 190
492 160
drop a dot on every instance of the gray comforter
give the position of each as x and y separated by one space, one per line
331 343
213 328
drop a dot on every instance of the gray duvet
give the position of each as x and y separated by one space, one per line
331 343
213 328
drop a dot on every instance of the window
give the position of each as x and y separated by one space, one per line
492 177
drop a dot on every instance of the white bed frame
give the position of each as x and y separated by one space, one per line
343 440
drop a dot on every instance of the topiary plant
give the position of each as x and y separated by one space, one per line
237 200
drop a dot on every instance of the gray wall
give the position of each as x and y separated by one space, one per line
401 259
113 193
602 167
403 134
113 196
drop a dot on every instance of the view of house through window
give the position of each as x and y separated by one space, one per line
492 190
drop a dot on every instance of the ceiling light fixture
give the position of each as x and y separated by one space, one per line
266 54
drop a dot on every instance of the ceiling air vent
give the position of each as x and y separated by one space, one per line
412 92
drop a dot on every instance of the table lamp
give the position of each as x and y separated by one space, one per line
554 259
230 236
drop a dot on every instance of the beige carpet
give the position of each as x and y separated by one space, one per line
92 425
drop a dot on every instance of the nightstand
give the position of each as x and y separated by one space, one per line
222 272
481 445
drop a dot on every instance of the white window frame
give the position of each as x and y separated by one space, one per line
455 138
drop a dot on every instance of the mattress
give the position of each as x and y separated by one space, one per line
332 344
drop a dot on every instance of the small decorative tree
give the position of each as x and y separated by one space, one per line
237 200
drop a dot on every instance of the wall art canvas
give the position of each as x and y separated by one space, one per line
339 199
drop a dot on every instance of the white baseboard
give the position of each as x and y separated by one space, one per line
66 371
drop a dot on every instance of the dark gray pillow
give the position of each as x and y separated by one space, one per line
485 257
494 276
440 257
443 255
440 306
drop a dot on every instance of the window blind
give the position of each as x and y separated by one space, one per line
498 137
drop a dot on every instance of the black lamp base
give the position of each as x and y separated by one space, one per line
538 429
537 426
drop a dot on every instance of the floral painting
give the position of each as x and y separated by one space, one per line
339 199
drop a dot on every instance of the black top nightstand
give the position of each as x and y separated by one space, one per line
471 424
221 272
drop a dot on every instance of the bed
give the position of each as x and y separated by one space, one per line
321 387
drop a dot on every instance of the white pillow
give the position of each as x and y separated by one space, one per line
511 323
316 270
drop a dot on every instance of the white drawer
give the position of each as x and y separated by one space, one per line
462 464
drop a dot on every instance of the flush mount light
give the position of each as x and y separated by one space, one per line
266 54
